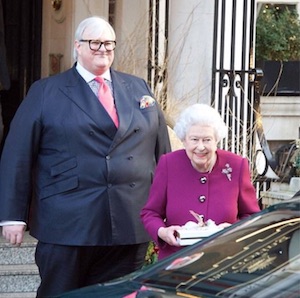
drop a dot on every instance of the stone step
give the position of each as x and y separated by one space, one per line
18 295
24 269
18 272
18 255
19 281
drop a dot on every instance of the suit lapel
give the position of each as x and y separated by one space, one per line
78 91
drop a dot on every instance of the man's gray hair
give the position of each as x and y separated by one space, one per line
202 114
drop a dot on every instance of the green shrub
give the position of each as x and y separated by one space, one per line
277 35
152 254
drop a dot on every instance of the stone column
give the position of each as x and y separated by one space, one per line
190 51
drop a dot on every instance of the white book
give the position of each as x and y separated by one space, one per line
189 236
190 241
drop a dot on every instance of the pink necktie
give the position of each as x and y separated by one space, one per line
106 99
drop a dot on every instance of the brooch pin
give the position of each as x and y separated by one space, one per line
146 102
227 171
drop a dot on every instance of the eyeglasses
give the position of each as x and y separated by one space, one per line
95 45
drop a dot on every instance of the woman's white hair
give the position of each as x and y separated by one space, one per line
202 114
95 23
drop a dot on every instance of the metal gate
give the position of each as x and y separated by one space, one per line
235 82
233 76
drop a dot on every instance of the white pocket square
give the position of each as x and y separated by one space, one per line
146 102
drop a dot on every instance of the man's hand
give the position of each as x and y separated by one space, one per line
14 233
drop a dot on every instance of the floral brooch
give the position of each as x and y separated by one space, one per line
146 102
227 171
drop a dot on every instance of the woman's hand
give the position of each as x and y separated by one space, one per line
168 235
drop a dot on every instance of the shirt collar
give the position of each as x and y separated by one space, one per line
88 76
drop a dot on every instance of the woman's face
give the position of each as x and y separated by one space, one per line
201 145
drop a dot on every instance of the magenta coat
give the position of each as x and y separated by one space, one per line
224 195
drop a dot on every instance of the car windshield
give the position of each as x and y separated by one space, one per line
244 261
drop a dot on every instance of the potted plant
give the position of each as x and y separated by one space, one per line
277 50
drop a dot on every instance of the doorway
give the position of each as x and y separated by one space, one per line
22 30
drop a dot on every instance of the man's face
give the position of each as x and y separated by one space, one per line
96 62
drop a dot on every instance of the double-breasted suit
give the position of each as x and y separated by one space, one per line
90 178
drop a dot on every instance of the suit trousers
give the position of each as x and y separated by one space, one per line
65 268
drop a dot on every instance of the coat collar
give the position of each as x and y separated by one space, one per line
77 90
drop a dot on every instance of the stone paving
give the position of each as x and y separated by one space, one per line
19 276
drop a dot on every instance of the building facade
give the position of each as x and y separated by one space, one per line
171 45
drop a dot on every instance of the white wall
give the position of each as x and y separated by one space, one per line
281 117
131 26
59 29
190 50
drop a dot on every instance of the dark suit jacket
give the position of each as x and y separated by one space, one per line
90 179
177 187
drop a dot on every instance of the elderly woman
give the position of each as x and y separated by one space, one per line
211 182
